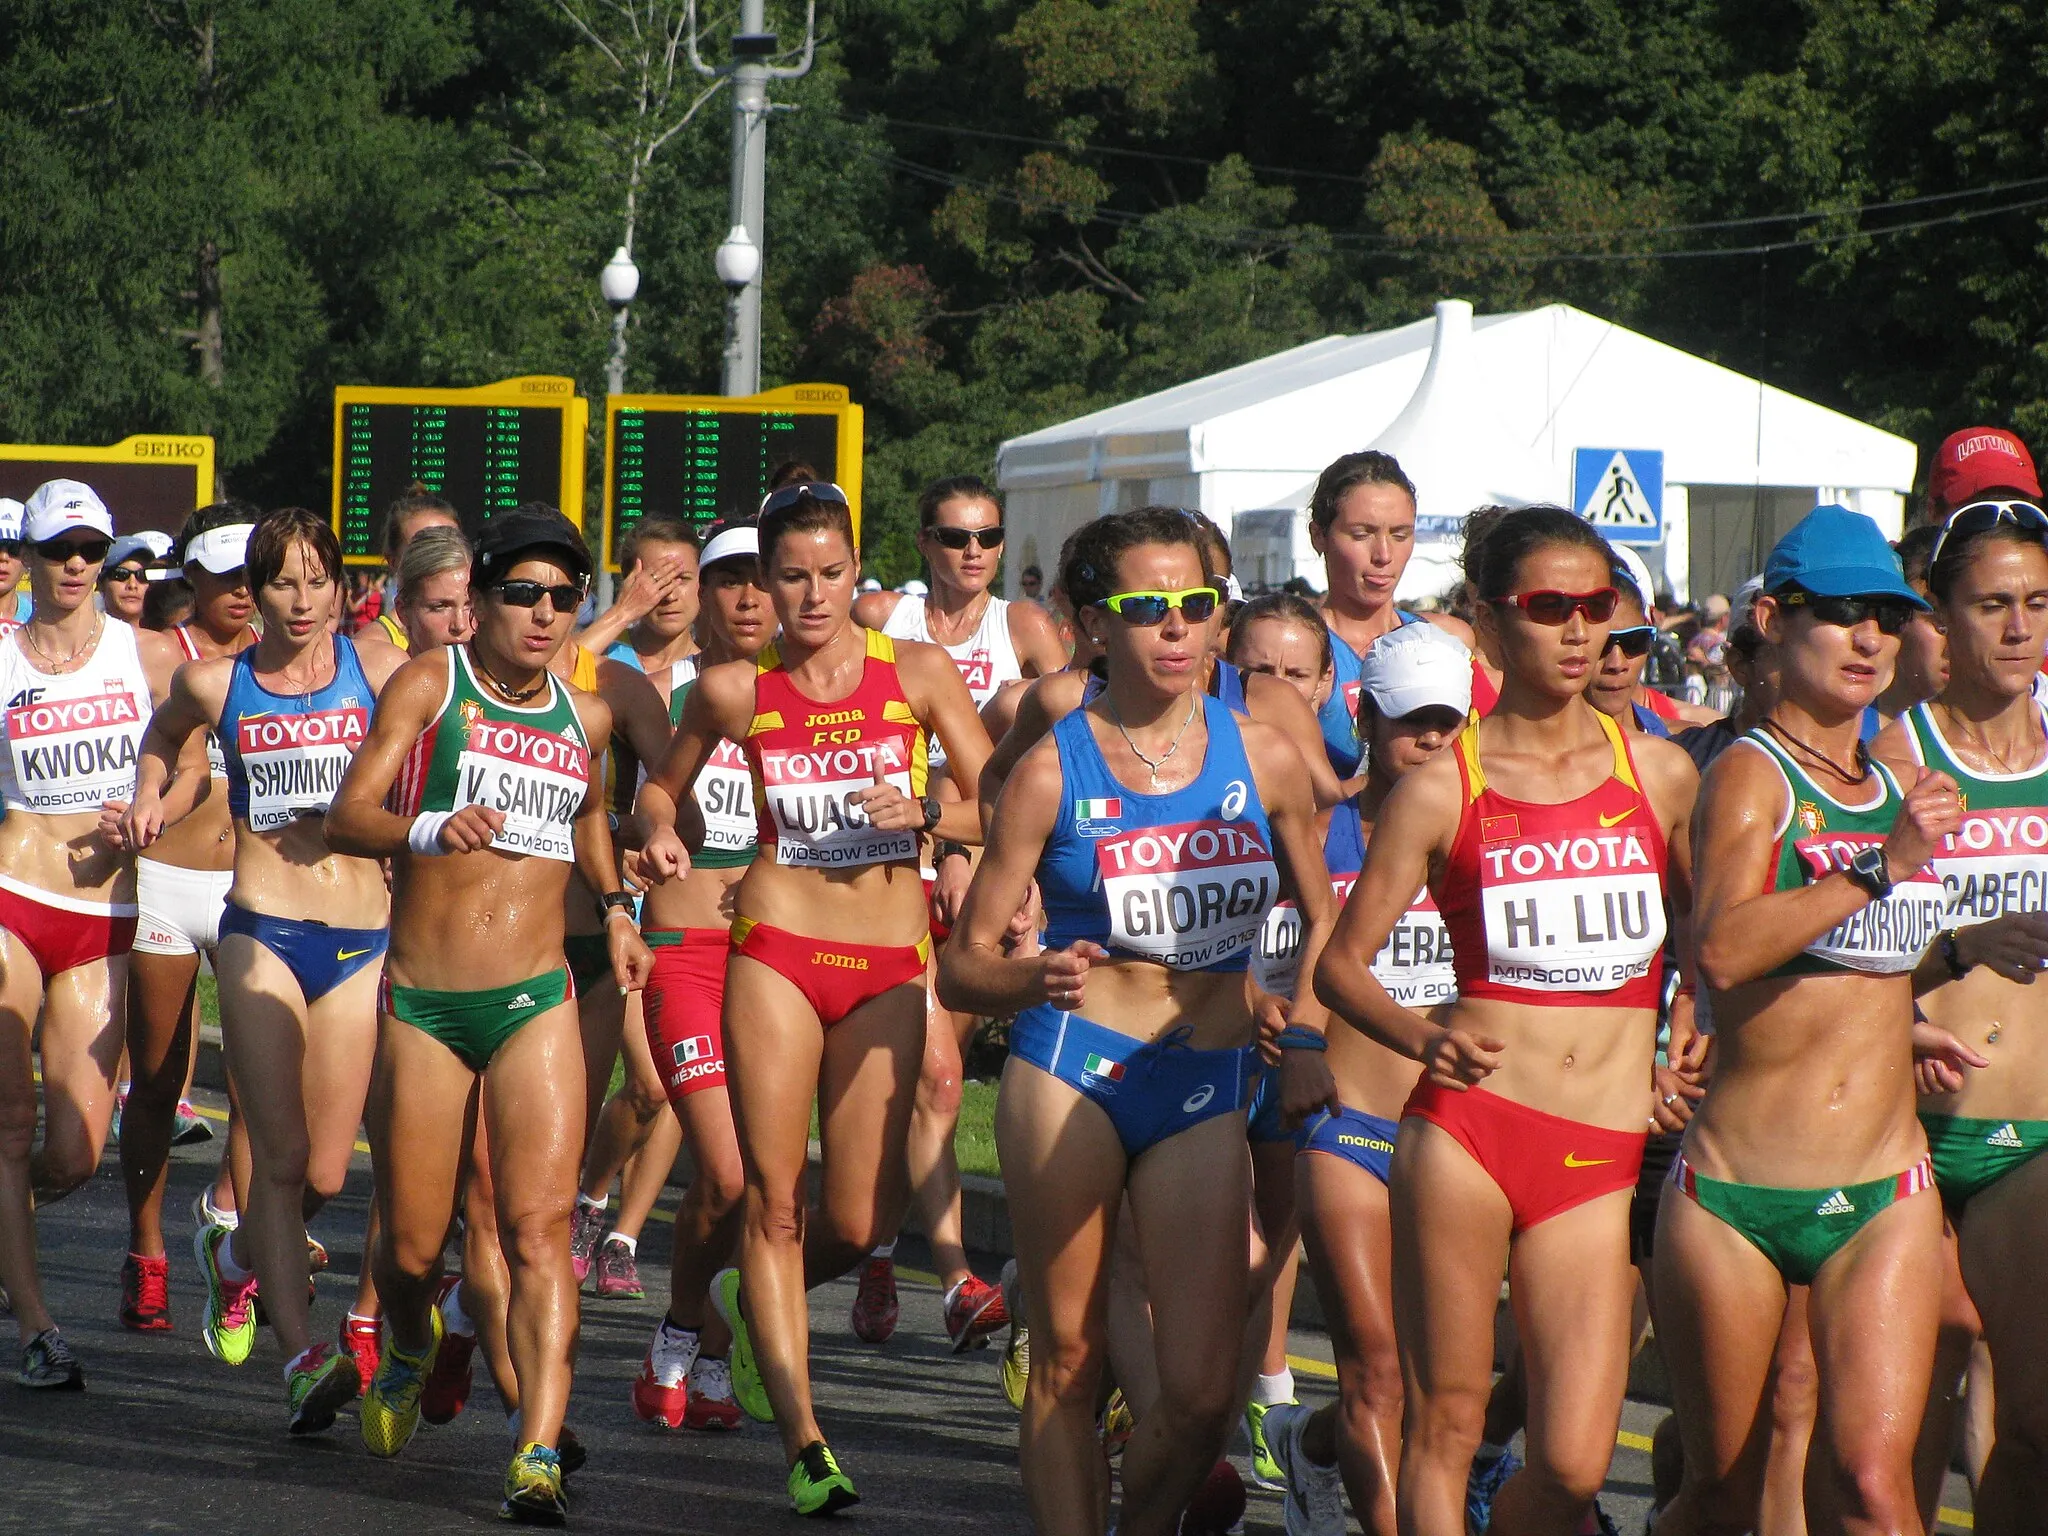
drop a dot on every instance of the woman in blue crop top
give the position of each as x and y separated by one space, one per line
1160 831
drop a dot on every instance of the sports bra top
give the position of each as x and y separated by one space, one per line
987 659
1997 861
529 761
72 737
394 631
216 760
284 753
1184 878
1817 835
1339 714
724 792
809 758
1556 906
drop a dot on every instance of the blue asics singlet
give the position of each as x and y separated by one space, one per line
286 752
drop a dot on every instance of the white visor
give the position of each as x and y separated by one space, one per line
729 543
220 550
10 518
1417 666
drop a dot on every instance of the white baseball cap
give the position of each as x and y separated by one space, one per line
149 544
742 539
221 549
10 519
58 505
1417 666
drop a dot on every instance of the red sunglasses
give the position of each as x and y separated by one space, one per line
1558 607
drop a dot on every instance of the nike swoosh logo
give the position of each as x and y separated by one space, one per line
1573 1160
1617 818
351 954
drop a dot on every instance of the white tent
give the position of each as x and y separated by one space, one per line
1477 410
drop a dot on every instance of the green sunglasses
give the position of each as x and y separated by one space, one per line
1145 609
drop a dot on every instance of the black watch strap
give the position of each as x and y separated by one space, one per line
934 808
614 901
1870 870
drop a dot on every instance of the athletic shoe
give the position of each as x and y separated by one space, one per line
584 1231
391 1408
711 1404
661 1392
816 1485
533 1488
618 1272
230 1326
746 1377
318 1385
874 1305
189 1129
1482 1483
1265 1470
1017 1364
362 1340
316 1255
570 1449
1597 1522
1218 1504
447 1389
206 1214
974 1314
48 1364
146 1294
1315 1493
1116 1423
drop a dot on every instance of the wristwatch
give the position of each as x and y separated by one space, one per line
1952 954
1869 870
614 901
934 808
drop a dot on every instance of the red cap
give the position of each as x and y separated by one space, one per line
1974 460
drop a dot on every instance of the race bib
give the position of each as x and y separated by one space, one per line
536 778
1997 863
977 671
1276 963
1189 895
818 824
294 763
75 754
1887 936
1414 965
725 794
1571 913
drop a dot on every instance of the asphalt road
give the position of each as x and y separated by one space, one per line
165 1439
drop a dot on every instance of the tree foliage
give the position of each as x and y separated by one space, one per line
987 215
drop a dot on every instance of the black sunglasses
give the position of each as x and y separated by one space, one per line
527 594
790 495
11 548
960 538
1634 641
60 549
1891 613
124 572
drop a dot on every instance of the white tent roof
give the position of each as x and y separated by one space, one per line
1509 398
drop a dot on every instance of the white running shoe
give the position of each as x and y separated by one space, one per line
1315 1494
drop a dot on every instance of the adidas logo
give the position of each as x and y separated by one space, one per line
523 1000
2005 1136
1837 1204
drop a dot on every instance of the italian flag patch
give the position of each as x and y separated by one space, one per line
1098 810
1102 1066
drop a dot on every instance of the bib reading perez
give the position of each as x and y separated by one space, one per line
811 758
532 764
1184 878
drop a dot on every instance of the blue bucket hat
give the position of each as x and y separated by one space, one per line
1833 552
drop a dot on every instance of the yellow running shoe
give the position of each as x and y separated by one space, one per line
230 1326
391 1408
319 1382
533 1488
1017 1364
816 1485
746 1376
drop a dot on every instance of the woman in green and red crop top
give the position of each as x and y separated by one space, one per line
1552 844
1805 1164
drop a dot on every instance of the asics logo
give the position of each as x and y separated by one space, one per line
523 1000
1573 1160
1616 819
350 954
1234 796
1198 1100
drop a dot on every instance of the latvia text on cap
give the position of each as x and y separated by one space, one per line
1980 459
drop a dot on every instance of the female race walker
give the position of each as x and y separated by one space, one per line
1805 1163
1415 691
1547 839
300 938
1160 831
487 759
1989 581
824 995
686 1379
77 689
181 888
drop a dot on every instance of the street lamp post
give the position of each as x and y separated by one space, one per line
738 263
618 282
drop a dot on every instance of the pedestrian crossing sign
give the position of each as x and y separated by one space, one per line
1620 491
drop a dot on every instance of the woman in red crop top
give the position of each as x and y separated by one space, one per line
824 997
1551 845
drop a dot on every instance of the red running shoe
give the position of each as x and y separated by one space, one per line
146 1294
362 1340
446 1390
974 1314
874 1308
1217 1505
661 1392
712 1404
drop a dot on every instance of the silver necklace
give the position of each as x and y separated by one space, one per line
1154 764
28 633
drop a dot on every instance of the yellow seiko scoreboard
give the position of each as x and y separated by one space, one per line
484 451
153 481
700 457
